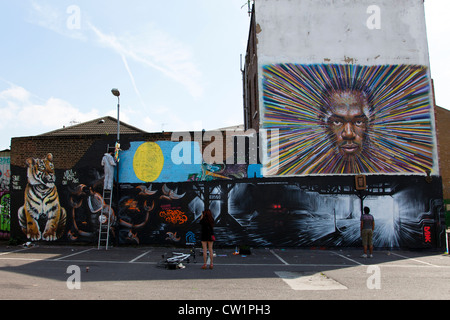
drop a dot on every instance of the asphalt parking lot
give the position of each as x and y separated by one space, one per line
133 273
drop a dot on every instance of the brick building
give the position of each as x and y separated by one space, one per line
443 137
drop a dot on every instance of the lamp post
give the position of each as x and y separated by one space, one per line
116 93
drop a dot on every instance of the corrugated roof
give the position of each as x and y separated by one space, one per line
105 125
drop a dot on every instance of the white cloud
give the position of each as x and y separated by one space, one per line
15 93
133 81
150 125
23 109
176 123
25 114
54 113
158 50
147 47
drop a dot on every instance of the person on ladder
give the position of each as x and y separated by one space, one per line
108 163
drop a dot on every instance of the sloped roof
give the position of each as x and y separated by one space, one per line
239 127
105 125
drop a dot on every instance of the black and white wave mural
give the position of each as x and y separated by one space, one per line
408 213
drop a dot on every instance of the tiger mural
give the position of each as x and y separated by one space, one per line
42 202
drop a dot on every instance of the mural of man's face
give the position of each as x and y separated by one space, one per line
348 121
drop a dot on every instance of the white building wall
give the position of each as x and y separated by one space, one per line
364 33
368 32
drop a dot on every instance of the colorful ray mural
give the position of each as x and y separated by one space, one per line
345 119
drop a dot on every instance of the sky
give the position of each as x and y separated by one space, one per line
176 63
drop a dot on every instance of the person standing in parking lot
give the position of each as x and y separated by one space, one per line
208 238
367 228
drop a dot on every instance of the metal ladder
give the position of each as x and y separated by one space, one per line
105 216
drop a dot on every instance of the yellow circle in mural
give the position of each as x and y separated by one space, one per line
148 162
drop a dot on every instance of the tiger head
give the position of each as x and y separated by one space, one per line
41 171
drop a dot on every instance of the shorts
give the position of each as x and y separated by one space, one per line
367 235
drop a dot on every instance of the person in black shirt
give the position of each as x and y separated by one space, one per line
207 223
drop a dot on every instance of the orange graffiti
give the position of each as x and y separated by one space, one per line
132 204
173 216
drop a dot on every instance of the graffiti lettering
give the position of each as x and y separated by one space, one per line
5 218
190 238
70 175
427 234
173 216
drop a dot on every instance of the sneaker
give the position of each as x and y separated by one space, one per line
371 256
364 256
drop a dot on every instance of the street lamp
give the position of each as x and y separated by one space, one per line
116 93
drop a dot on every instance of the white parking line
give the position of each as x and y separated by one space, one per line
412 259
279 258
349 259
140 256
73 258
73 254
5 253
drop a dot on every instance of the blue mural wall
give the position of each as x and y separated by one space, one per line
167 161
153 162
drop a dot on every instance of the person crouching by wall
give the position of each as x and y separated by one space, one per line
208 238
